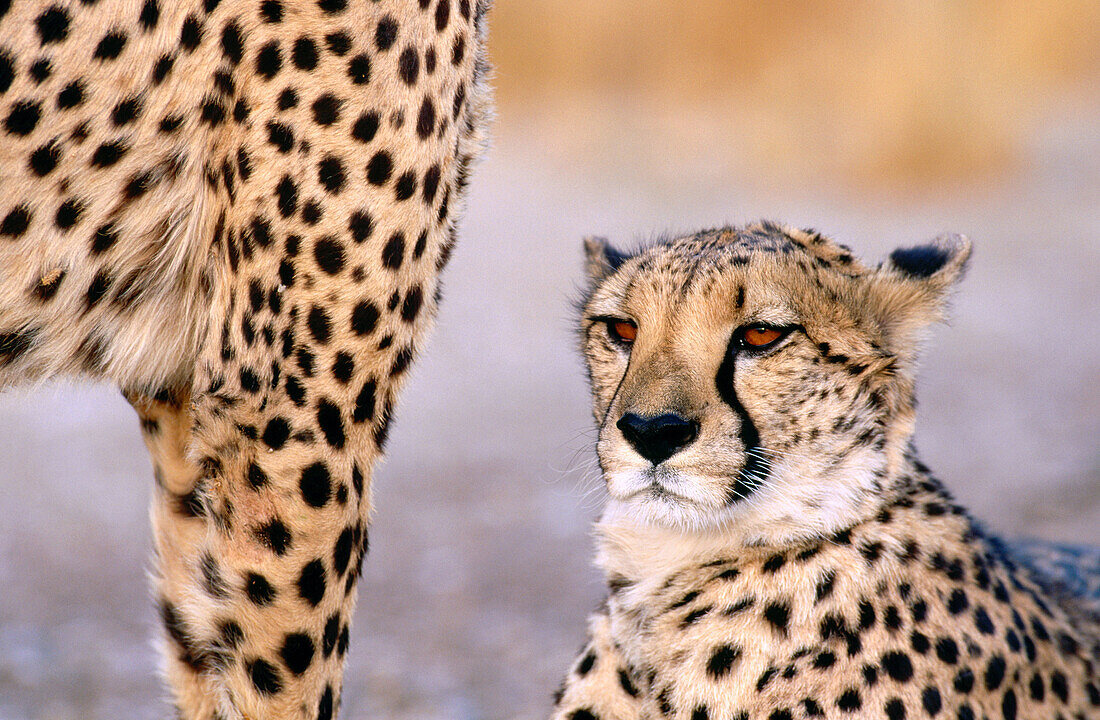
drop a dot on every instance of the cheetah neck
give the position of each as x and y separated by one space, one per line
641 556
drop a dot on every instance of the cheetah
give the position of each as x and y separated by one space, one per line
237 212
773 547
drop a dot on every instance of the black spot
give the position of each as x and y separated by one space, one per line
442 15
958 602
359 69
297 652
150 14
276 433
411 306
431 183
304 54
265 678
287 193
110 47
895 709
947 650
964 680
330 173
126 111
99 286
897 666
7 71
849 700
161 69
338 42
232 42
258 589
994 672
393 254
409 65
325 706
274 535
331 424
311 583
1058 685
329 254
16 222
52 25
405 186
721 660
315 485
778 614
331 633
269 60
326 109
386 33
230 634
71 95
360 224
23 117
921 261
341 551
364 403
47 288
365 129
379 168
320 326
272 11
41 70
931 700
257 478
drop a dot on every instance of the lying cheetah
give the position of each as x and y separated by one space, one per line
773 547
237 211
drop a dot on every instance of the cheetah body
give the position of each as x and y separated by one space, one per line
237 211
833 577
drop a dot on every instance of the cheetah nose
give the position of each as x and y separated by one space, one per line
657 438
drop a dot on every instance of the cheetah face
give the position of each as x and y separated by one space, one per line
758 379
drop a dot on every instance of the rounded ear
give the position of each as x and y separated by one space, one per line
909 290
600 258
941 262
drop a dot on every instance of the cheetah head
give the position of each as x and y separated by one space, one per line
759 379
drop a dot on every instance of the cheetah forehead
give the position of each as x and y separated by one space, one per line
771 262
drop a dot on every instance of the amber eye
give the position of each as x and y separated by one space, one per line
758 336
623 331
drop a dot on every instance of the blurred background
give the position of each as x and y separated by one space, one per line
880 123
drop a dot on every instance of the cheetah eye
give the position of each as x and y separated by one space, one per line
759 337
621 331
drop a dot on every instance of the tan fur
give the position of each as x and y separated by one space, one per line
196 207
833 576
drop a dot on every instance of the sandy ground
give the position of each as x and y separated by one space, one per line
479 577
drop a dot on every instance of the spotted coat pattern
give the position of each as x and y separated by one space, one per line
237 211
904 608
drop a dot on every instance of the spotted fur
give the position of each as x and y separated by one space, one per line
237 211
790 557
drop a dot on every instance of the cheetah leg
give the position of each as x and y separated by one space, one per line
244 632
179 526
600 683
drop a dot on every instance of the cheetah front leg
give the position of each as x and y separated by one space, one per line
600 685
256 615
179 526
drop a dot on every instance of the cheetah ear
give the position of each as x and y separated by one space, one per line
938 264
909 290
601 260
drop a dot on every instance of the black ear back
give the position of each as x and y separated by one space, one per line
921 261
601 260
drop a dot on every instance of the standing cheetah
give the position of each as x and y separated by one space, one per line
773 547
237 211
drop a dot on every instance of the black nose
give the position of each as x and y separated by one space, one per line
657 438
